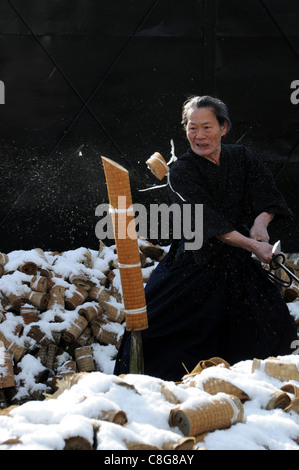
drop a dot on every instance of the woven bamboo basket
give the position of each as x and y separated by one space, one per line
75 330
3 259
278 399
91 312
84 337
84 359
112 312
114 416
157 165
51 277
99 293
14 301
17 351
216 385
108 337
291 293
96 325
69 367
77 298
6 371
123 220
81 281
39 283
28 268
51 355
275 368
29 313
218 413
77 443
42 355
205 364
185 443
38 299
39 336
136 445
56 297
294 390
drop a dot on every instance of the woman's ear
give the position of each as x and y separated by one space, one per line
224 129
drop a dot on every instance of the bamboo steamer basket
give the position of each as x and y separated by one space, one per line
216 385
75 330
279 399
76 299
56 297
157 165
39 283
274 368
3 259
113 313
84 359
91 312
29 313
28 268
123 220
6 369
218 413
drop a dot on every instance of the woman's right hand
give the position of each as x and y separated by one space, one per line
263 251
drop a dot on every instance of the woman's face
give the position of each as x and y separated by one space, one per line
204 133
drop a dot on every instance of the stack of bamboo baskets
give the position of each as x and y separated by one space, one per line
91 312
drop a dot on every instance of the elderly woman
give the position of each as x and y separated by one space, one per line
216 300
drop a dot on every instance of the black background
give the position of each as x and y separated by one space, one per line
86 78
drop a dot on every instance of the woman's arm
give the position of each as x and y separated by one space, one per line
262 250
259 230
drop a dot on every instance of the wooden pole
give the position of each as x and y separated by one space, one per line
121 207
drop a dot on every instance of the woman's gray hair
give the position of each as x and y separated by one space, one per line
219 108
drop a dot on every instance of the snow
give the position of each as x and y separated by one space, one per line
79 408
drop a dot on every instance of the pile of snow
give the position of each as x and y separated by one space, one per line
146 402
46 425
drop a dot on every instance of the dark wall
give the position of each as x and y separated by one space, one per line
104 77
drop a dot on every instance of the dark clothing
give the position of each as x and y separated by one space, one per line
217 300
